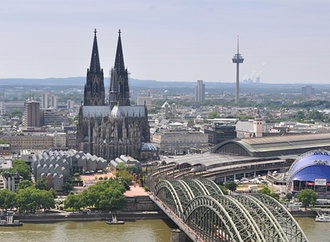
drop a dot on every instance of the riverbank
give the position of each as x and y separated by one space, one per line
125 216
301 213
59 217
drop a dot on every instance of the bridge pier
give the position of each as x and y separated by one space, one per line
178 236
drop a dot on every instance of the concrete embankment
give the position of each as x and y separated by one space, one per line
301 213
126 216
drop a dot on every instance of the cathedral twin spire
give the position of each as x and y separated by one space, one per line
94 93
119 89
95 59
94 87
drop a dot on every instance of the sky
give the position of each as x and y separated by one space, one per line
282 41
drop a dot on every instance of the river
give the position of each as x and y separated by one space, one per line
138 231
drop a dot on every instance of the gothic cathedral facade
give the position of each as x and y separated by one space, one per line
115 128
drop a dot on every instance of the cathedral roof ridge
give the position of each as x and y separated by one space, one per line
128 111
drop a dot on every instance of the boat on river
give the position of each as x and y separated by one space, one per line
322 218
9 220
115 221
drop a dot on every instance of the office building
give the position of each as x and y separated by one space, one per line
54 102
200 91
31 114
44 100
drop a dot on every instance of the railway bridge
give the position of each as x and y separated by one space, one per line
204 213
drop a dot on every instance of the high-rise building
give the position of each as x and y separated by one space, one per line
116 129
2 109
200 91
54 101
69 104
44 100
31 114
308 90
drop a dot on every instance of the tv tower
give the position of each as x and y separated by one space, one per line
238 59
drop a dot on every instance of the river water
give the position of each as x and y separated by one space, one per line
138 231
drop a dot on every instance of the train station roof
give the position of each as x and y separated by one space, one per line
275 145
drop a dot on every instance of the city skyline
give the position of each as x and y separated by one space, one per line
281 41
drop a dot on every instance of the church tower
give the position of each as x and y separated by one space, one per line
119 89
257 125
94 94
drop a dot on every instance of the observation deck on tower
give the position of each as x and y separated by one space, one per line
237 59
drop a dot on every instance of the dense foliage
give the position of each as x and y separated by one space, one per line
104 195
41 183
21 168
232 186
27 199
267 191
223 189
307 197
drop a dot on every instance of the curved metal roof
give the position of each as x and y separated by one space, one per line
278 145
312 165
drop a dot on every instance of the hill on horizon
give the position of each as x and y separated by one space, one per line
72 81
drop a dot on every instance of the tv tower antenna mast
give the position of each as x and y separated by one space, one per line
237 59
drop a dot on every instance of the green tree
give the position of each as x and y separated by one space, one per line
44 199
7 199
104 195
24 184
307 197
24 200
132 169
31 199
67 187
121 166
267 191
22 169
73 201
232 186
212 115
112 199
316 115
224 189
41 184
300 115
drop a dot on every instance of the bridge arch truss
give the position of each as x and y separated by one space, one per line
217 217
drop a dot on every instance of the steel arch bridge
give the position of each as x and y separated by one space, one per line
203 207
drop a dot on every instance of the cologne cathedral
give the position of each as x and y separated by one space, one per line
115 128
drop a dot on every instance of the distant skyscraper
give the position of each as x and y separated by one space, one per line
44 100
308 91
54 102
69 104
31 113
200 91
237 59
2 108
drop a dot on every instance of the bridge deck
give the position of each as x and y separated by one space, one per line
177 220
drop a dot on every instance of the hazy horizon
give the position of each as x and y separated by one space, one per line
176 40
